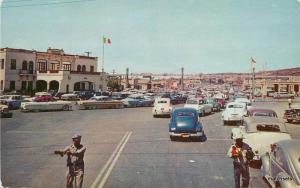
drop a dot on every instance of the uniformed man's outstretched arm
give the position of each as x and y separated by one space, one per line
79 152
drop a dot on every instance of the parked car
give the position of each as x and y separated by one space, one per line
43 97
222 102
201 105
12 101
254 111
292 114
260 132
5 113
215 104
185 123
84 95
137 100
281 166
283 95
234 112
101 98
162 107
244 100
46 106
120 96
69 97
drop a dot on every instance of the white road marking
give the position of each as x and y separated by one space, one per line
111 158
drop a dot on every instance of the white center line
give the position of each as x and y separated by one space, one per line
98 179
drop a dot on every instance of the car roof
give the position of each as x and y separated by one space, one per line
251 122
234 103
255 109
185 110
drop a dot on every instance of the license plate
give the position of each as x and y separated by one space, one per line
185 135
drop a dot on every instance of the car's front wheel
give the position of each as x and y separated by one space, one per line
224 122
172 138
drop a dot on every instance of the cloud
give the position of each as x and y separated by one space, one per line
298 1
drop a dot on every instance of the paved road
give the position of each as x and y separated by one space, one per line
130 147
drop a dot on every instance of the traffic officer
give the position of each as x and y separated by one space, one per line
241 153
75 162
290 102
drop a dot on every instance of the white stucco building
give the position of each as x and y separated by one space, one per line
51 70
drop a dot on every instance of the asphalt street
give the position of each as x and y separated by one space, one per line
125 148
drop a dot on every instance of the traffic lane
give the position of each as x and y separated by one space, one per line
152 160
27 151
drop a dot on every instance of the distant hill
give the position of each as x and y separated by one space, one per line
283 72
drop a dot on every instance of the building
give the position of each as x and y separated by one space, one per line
51 70
17 70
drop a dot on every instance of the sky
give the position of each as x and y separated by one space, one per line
161 36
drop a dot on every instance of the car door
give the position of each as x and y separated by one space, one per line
278 162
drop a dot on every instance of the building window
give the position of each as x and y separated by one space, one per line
42 66
23 85
13 64
83 68
24 65
12 85
92 68
29 85
2 63
1 85
78 68
30 68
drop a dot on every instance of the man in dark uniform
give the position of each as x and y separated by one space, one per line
75 163
241 153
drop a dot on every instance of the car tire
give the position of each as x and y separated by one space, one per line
172 138
289 120
225 122
65 108
155 116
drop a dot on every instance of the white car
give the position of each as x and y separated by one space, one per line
162 107
244 100
234 112
201 105
69 96
46 106
259 132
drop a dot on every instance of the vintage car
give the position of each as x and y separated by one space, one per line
244 100
46 106
292 114
162 107
12 101
43 97
254 111
234 113
99 102
69 97
201 105
283 95
216 105
137 100
260 132
5 113
281 166
184 123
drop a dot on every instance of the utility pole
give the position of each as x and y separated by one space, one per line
127 77
88 53
253 81
182 73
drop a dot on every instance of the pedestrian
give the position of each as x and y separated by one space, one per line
290 102
75 163
241 153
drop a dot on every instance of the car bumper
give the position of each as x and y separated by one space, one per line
186 135
162 113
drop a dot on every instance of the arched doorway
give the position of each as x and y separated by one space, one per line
84 86
54 85
41 85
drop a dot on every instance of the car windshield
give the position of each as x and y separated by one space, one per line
191 102
235 106
268 127
185 114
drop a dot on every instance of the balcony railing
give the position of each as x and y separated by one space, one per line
89 73
27 72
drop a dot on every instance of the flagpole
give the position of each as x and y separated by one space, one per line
102 53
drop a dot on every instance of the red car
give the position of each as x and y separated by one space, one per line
221 102
44 98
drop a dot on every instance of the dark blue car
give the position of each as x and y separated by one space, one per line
184 123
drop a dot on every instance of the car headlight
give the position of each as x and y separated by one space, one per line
173 128
198 129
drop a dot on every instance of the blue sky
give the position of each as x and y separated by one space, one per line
161 36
